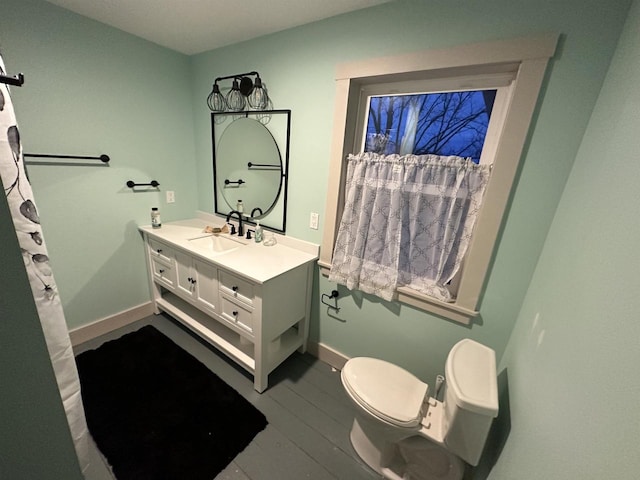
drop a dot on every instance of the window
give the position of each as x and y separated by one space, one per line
371 111
415 119
439 123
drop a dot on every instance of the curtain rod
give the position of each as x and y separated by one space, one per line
18 80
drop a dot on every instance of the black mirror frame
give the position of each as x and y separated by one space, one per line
284 153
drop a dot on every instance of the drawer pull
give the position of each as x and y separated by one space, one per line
161 270
235 313
234 288
159 250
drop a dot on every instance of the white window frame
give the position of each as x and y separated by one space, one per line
526 59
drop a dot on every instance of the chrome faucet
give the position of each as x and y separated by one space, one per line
240 229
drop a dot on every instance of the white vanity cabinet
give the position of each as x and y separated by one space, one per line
258 318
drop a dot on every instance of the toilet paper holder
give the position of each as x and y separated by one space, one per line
334 296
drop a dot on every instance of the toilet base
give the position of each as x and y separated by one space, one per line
375 452
403 457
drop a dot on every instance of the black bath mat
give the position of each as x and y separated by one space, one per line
157 413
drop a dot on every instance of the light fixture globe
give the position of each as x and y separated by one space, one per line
258 99
235 98
215 100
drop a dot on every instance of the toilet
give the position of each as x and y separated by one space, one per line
404 434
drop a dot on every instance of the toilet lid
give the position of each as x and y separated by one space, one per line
385 390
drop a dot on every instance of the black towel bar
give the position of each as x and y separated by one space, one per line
103 158
229 182
132 184
263 165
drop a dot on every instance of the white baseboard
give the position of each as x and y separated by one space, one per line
108 324
327 354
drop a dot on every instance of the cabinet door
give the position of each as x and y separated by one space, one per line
206 285
185 281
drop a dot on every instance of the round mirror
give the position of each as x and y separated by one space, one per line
248 167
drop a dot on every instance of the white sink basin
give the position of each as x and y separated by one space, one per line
216 243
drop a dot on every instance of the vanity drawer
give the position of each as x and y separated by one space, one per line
236 314
158 250
163 273
236 287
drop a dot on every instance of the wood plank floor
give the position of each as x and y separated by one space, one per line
307 409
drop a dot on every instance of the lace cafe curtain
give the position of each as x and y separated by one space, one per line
407 221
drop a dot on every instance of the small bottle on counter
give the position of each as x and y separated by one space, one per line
259 233
240 206
155 218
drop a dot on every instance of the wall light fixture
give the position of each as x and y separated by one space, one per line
244 90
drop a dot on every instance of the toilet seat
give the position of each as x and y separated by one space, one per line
385 390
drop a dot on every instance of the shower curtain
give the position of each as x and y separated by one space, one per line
34 252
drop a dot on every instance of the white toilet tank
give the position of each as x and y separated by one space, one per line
470 399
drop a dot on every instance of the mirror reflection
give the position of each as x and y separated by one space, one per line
250 165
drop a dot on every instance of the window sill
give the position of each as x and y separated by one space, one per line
450 311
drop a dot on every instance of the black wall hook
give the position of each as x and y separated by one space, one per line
334 295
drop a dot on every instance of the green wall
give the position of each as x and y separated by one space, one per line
298 66
91 89
573 357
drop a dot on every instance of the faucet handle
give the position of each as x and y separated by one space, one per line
248 237
233 229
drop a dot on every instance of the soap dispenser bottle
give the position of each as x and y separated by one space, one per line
258 234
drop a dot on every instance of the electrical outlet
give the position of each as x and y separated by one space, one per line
171 196
313 220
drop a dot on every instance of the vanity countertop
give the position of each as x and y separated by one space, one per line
252 260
